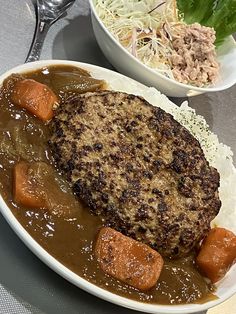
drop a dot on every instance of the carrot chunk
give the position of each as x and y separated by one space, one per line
217 254
25 188
35 97
127 260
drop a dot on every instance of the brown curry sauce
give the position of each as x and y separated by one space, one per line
70 239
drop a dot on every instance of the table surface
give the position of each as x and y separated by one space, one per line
26 284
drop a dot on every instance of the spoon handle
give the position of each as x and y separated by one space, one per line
37 44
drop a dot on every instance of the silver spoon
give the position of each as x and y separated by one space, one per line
48 12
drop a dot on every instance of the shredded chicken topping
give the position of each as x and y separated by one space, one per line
193 58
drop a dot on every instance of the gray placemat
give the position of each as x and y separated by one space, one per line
26 284
13 304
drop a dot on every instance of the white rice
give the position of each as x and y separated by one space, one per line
218 154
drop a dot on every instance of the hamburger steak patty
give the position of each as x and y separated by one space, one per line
139 168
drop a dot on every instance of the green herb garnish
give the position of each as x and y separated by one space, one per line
219 14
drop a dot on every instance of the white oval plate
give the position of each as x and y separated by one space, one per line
226 288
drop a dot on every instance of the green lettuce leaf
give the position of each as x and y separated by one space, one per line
219 14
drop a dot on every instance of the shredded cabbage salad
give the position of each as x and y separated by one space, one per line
144 28
155 33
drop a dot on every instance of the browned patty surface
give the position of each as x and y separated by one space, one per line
136 166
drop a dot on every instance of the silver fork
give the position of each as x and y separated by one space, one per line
48 12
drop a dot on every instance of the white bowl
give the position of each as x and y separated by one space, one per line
127 64
227 286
